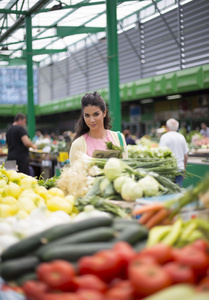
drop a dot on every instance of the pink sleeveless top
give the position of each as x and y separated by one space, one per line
97 144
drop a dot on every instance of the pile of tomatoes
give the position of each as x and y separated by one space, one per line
121 273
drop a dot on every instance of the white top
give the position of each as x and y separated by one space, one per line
177 143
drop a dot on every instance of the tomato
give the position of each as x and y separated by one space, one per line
57 274
143 259
34 290
89 281
201 245
161 252
179 273
194 258
89 295
123 290
60 296
148 279
126 253
104 264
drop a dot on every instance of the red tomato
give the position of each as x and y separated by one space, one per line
126 253
89 295
60 296
194 258
57 274
203 286
123 290
89 281
148 279
104 264
161 252
143 259
34 290
201 245
179 273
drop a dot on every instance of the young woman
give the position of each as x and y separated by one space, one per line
93 128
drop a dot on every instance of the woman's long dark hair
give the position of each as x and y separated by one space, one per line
92 99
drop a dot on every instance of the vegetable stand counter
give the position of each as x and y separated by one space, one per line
197 166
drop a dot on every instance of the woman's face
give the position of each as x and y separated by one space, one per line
94 117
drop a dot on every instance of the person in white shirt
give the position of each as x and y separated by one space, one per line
205 130
177 143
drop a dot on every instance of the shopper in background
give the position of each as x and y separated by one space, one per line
177 143
128 137
93 128
205 130
18 143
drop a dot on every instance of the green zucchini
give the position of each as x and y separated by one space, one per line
31 244
13 268
120 224
140 245
100 234
132 234
20 280
73 252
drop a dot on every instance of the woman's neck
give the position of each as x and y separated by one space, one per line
101 134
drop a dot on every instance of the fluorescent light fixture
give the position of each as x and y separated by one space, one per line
4 63
171 97
145 101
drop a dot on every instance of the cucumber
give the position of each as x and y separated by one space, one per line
20 280
100 234
73 252
140 245
121 224
13 268
132 234
31 244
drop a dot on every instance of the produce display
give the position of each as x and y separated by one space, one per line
62 238
122 179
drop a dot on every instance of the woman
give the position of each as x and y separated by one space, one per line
92 129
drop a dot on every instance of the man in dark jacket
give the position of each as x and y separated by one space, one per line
18 143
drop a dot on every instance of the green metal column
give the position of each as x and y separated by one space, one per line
113 65
29 60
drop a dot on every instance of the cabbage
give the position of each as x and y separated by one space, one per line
131 190
114 168
149 185
118 182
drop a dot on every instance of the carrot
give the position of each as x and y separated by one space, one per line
157 217
147 207
146 216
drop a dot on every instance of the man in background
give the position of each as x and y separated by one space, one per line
18 143
177 143
205 130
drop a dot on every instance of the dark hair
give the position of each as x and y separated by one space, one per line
19 116
92 99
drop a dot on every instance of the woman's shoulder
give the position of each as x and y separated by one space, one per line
79 140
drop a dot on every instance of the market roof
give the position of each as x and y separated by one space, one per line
57 25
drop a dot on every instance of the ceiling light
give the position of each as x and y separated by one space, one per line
145 101
171 97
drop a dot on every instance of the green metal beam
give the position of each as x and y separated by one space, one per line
36 7
11 11
44 51
4 57
17 61
70 30
113 65
29 60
